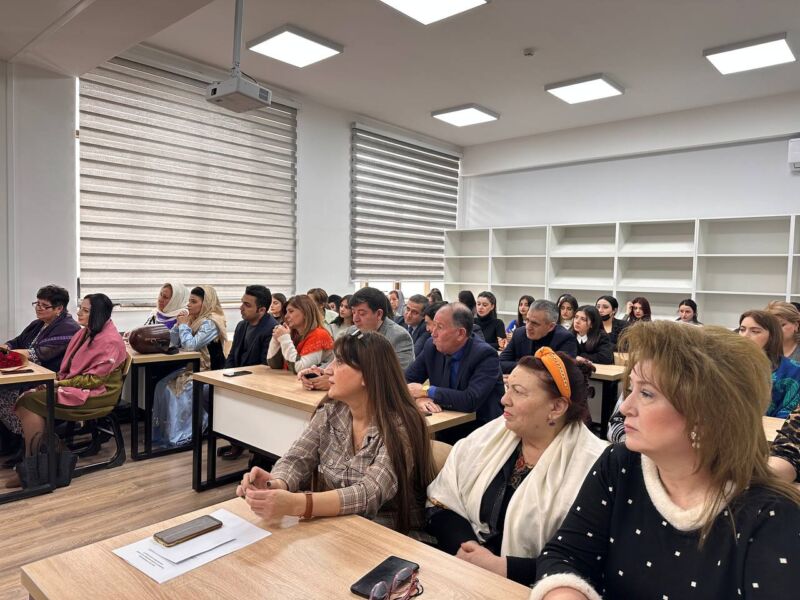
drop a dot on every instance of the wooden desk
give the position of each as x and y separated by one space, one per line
603 382
320 558
771 426
140 364
46 377
266 412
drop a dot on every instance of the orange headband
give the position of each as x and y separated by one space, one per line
555 366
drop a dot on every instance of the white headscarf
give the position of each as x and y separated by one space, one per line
176 305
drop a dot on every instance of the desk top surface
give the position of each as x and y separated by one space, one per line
320 558
160 357
283 387
771 426
608 372
39 374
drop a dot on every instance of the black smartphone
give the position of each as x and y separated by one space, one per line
237 373
186 531
383 572
16 371
311 375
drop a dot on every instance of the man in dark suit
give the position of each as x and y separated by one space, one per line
250 341
464 372
414 321
541 329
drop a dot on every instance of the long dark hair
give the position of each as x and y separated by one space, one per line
691 304
567 299
774 347
282 299
99 313
402 428
467 298
645 303
520 317
339 320
435 295
578 375
595 326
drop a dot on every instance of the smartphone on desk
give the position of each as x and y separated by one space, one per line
187 531
383 572
236 373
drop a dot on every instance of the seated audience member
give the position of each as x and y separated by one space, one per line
278 307
203 330
89 379
302 341
43 341
493 329
250 341
640 310
541 329
687 312
464 372
688 506
607 306
397 302
254 332
334 301
505 489
320 297
789 318
567 305
594 346
765 331
467 298
365 451
370 307
172 300
785 449
414 321
435 296
522 310
345 319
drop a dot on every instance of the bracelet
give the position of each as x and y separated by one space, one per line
309 506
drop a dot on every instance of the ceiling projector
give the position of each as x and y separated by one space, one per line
238 94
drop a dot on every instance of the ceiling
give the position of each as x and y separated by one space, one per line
398 71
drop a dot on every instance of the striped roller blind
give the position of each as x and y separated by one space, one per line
403 197
174 188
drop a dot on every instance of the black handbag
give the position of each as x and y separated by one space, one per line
33 469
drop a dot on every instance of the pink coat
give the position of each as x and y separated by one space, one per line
99 357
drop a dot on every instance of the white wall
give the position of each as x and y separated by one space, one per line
323 198
40 199
5 288
739 180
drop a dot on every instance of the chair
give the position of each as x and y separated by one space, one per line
106 424
440 451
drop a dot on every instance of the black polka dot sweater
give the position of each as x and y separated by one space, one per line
624 539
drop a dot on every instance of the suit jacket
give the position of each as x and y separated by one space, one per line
256 353
559 340
398 337
480 383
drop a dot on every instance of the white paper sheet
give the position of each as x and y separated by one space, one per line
160 564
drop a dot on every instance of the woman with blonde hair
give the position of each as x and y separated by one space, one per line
202 330
366 450
302 340
789 318
688 506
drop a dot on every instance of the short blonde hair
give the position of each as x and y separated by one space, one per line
721 383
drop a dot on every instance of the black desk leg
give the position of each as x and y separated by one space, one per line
149 392
211 471
135 412
197 436
50 428
607 407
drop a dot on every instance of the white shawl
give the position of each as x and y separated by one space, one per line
541 502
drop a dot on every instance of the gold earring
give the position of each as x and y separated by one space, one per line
695 438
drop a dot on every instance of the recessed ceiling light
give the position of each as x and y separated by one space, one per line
467 114
583 89
292 45
430 11
755 54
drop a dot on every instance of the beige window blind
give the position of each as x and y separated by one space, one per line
174 188
403 197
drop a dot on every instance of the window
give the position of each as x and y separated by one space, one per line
403 197
174 188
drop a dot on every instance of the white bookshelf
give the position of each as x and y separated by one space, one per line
726 265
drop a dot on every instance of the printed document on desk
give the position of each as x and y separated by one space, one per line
162 564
